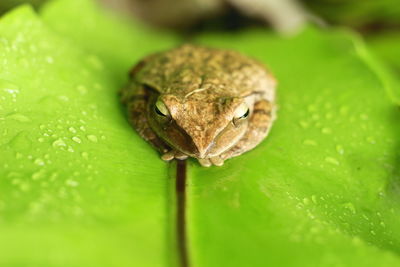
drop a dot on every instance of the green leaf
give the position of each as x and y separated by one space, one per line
386 45
118 41
367 13
78 187
322 190
6 5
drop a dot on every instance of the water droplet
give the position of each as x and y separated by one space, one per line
53 177
38 175
9 88
39 162
85 155
371 140
63 98
41 139
93 106
18 155
350 207
24 187
71 183
76 139
309 142
315 117
49 60
72 129
306 201
82 89
329 115
92 138
33 48
326 130
304 124
332 160
95 61
59 143
373 232
300 206
314 199
70 149
340 149
82 128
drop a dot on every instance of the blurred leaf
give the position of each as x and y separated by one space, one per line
79 188
6 5
357 13
386 45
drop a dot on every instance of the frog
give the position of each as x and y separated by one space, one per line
201 102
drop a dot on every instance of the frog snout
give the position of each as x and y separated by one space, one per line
202 149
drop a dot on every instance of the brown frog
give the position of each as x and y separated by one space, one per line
200 102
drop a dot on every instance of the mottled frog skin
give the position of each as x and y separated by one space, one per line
200 102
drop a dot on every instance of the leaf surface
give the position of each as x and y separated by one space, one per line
321 190
78 187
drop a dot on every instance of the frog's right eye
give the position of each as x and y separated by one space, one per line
242 112
161 109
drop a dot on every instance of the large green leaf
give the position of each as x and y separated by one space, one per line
80 188
322 190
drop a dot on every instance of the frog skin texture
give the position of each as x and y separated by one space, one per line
205 103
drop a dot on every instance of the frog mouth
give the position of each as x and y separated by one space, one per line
202 144
178 139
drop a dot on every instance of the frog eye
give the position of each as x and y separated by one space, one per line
242 111
161 109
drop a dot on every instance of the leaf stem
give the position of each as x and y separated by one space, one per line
180 188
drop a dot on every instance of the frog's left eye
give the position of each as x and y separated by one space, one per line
161 109
242 111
